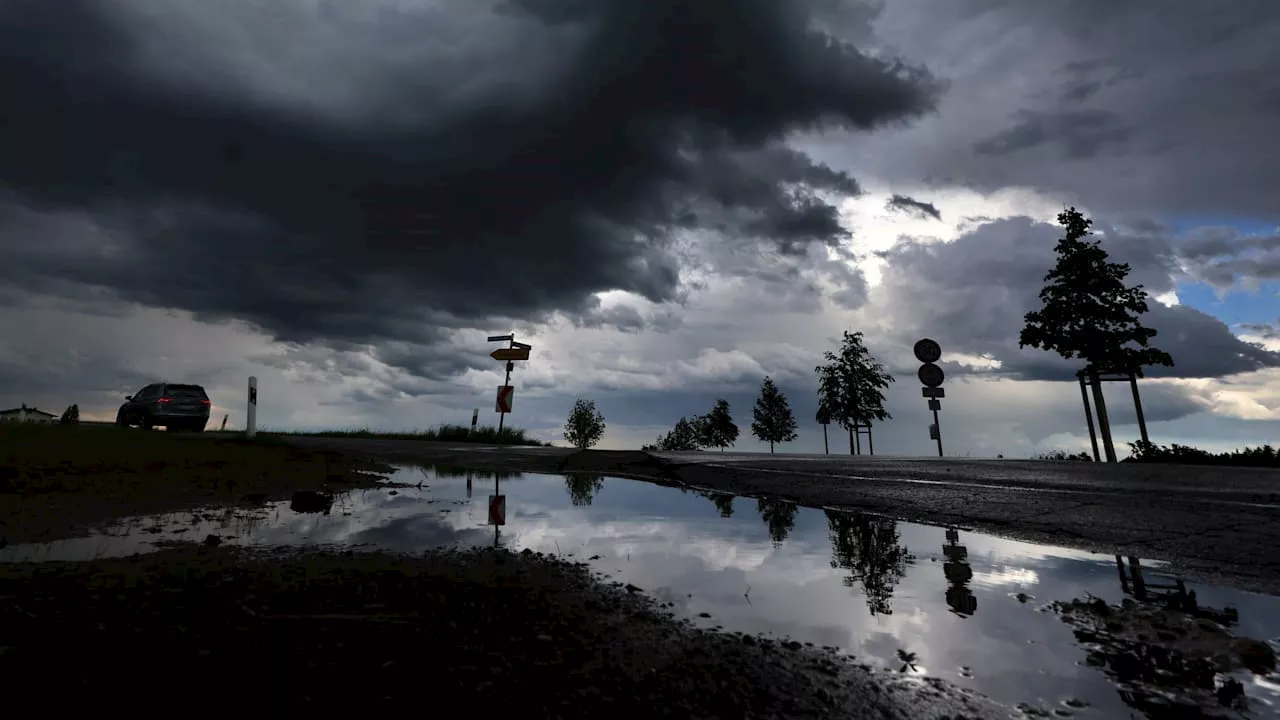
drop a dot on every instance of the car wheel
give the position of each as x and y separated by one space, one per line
122 421
197 427
145 423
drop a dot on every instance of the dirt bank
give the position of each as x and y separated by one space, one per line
488 630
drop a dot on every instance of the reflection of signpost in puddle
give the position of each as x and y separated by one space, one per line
497 509
1168 655
1174 595
469 474
958 572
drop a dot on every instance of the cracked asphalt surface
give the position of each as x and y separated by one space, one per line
1213 524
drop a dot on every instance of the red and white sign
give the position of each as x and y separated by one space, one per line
497 509
505 393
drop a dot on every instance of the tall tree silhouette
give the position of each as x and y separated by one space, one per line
869 548
773 421
1089 314
851 387
779 515
583 487
828 392
717 428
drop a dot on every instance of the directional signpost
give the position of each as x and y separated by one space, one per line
513 352
928 352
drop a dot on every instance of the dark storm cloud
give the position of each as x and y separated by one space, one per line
1126 107
971 295
1266 331
911 205
1081 134
511 183
1210 242
1224 256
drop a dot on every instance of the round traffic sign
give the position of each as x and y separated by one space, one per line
930 374
927 351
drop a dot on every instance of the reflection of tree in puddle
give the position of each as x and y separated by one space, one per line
956 568
780 516
868 547
723 503
1169 656
583 487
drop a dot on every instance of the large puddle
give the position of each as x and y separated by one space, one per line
1052 631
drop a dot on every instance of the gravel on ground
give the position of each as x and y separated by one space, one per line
230 629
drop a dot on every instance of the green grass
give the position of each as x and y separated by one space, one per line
56 477
484 435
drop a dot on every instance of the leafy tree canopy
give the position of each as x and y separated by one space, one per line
585 425
717 428
1088 313
851 385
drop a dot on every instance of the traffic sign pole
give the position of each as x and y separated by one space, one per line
505 382
928 352
514 351
938 428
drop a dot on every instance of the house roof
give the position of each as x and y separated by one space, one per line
16 411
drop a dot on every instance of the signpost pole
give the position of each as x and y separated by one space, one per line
938 429
505 382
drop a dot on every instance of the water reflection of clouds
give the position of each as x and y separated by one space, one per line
1006 575
680 548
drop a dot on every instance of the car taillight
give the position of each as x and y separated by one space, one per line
164 400
205 402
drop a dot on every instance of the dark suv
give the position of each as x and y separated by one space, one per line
176 407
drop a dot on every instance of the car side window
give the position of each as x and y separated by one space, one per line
147 392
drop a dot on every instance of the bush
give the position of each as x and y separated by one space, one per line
1062 455
487 435
1148 452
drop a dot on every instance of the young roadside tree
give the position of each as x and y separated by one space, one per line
585 425
1089 314
850 387
717 428
828 391
773 421
685 436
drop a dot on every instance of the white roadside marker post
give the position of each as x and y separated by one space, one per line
251 414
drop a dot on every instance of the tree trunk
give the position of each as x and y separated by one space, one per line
770 447
1104 423
871 446
826 449
1137 406
857 439
1088 418
851 441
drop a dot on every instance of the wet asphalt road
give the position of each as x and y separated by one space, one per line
1218 525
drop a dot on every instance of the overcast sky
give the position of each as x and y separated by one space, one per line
669 200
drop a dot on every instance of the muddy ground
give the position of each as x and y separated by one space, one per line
487 630
1182 515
